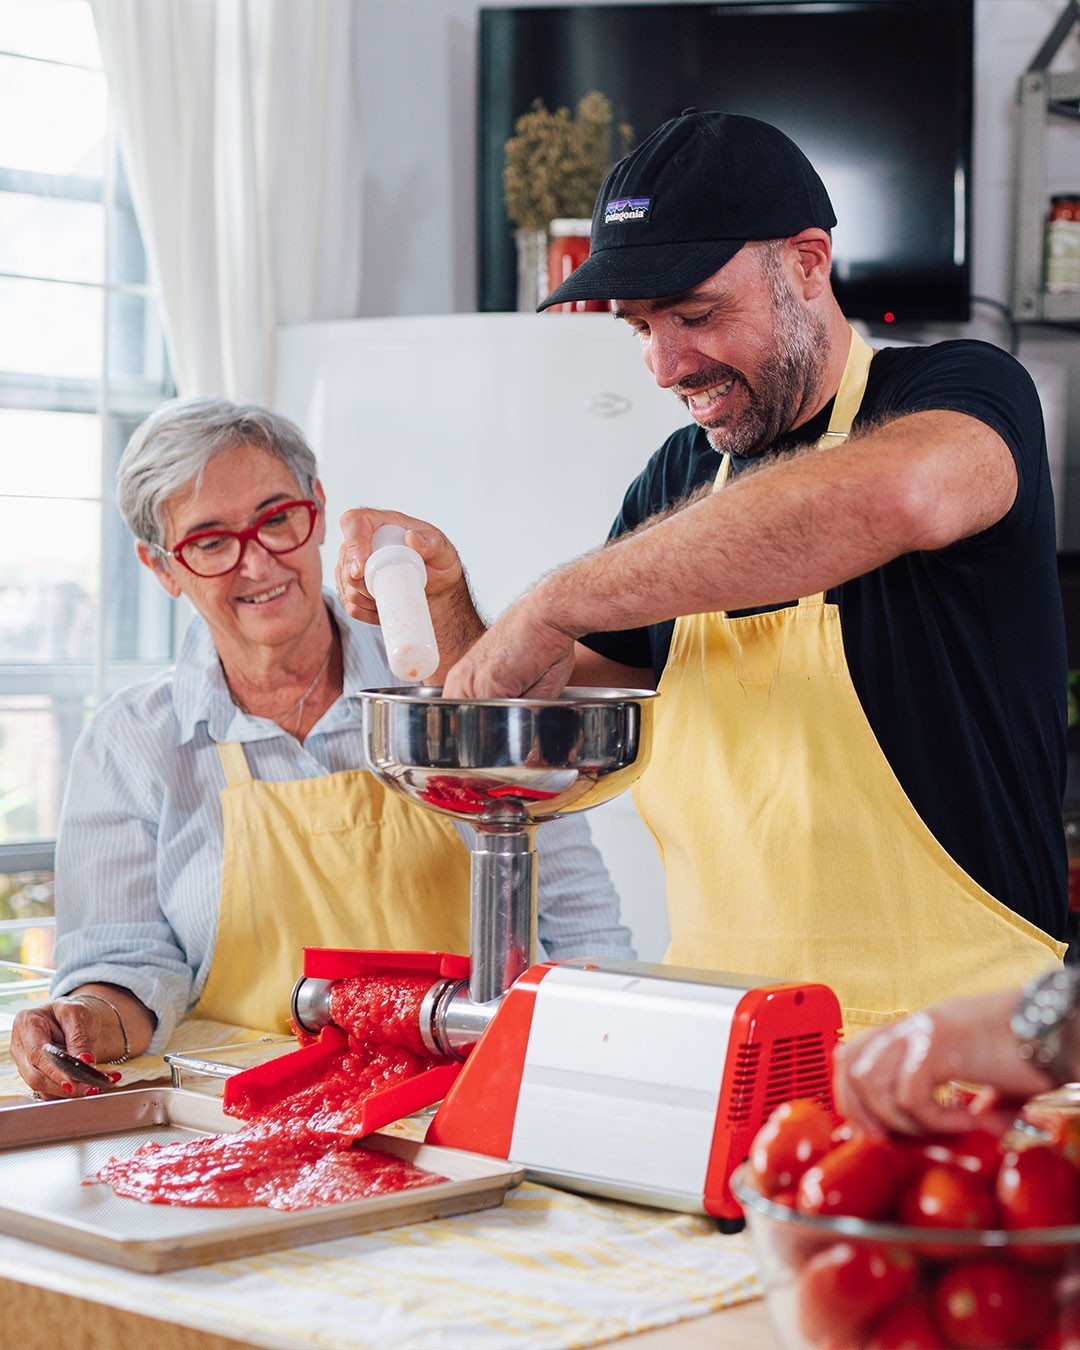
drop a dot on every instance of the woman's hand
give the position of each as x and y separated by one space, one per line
95 1024
79 1028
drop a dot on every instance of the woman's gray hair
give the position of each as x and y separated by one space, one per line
172 448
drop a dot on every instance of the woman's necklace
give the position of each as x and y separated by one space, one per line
298 706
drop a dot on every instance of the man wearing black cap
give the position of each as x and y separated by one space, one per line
859 753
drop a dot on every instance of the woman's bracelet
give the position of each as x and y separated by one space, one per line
120 1021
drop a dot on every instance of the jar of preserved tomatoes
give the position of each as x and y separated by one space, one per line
1063 244
567 250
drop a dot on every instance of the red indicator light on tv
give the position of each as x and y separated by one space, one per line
889 316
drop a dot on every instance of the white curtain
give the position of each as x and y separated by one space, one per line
238 122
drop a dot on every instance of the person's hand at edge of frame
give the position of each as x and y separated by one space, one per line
901 1077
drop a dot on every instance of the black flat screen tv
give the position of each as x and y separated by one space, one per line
878 93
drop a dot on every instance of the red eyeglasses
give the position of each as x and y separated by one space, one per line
212 553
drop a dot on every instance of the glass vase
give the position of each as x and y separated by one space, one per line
531 267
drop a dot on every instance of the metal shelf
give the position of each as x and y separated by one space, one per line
1041 95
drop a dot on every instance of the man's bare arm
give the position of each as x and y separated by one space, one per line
793 528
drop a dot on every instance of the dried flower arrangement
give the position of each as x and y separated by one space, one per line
556 162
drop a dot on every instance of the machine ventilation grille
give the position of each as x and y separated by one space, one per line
743 1080
798 1066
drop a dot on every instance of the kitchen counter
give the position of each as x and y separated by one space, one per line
346 1294
546 1269
38 1318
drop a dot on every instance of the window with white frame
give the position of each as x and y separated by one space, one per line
82 362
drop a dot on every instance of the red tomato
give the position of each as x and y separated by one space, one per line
795 1135
843 1132
861 1177
1037 1188
1065 1131
991 1305
944 1197
907 1326
977 1152
1064 1334
844 1288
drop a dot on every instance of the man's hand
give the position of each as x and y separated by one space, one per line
521 654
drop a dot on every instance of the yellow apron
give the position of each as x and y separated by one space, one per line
790 849
338 861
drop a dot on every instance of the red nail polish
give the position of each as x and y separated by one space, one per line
116 1077
87 1058
67 1087
92 1092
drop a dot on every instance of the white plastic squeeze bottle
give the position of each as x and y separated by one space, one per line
396 577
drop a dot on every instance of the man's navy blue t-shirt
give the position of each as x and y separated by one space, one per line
958 656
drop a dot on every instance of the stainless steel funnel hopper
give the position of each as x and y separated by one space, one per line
506 766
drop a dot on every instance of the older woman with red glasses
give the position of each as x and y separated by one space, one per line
219 817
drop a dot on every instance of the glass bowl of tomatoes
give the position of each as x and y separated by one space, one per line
914 1244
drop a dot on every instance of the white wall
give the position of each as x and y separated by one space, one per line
416 71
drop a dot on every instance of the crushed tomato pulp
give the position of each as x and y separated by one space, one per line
298 1151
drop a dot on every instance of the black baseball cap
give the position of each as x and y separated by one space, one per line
682 203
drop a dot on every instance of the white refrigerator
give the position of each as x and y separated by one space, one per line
516 434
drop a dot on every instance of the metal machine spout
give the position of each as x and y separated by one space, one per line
310 1005
451 1021
502 887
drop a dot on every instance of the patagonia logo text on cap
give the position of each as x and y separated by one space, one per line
626 208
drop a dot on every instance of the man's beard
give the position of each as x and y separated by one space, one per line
788 382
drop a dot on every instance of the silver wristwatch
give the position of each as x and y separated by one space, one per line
1047 1004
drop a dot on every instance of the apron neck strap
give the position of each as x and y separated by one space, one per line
849 397
234 762
850 393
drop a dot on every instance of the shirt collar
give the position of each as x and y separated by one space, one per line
200 693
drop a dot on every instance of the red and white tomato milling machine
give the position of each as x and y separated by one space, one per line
625 1079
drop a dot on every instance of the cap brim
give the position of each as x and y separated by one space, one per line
643 271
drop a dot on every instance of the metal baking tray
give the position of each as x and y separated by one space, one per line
47 1149
21 987
206 1070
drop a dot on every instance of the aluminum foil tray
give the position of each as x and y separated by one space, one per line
47 1149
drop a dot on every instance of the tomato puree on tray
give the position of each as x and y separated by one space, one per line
299 1151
